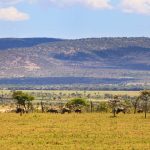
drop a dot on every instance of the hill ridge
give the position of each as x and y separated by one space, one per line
100 58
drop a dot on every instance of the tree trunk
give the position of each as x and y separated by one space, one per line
91 107
135 109
114 112
145 109
145 114
42 107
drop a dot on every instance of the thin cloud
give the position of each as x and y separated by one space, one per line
14 2
12 14
98 4
9 2
136 6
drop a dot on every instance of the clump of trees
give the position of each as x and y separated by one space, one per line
137 103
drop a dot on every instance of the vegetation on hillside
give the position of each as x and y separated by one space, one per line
125 60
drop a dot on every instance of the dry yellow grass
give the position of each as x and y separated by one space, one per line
74 132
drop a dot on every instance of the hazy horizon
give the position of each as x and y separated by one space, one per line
74 38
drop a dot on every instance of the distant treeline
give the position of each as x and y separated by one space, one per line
6 43
70 83
63 80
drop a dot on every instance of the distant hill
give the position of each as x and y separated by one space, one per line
6 43
112 59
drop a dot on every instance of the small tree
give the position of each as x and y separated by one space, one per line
135 102
29 100
114 103
145 97
23 99
77 102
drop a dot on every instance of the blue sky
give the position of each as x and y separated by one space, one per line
74 18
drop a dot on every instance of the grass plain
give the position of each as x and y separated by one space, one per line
87 131
130 93
53 96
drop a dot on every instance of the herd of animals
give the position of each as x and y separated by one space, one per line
77 110
124 110
53 110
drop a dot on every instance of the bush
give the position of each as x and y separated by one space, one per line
103 107
77 102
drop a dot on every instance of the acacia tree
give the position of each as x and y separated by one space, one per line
135 102
114 103
145 97
22 99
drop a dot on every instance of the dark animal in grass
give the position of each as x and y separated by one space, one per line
118 110
140 111
66 110
78 111
20 110
52 110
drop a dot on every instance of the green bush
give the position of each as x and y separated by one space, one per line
77 102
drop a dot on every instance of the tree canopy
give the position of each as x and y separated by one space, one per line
78 102
22 98
145 97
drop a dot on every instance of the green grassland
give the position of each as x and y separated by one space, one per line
62 96
87 131
130 93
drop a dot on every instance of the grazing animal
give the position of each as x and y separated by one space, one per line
20 110
140 111
64 110
78 111
118 110
52 110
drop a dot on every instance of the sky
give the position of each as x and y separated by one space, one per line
72 19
